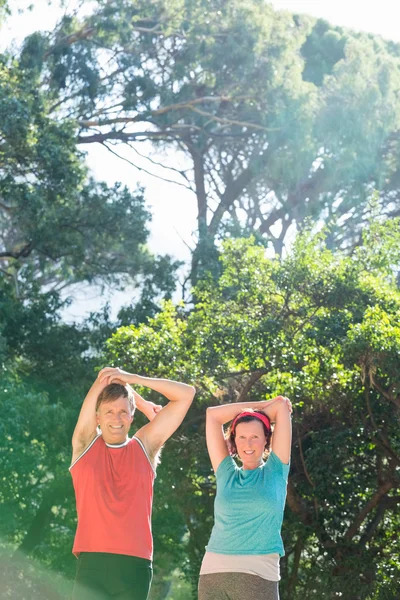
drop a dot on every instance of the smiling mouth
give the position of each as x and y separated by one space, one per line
248 451
116 426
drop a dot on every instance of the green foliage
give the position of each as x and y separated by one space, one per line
281 117
59 225
4 10
159 282
286 122
36 495
323 48
322 329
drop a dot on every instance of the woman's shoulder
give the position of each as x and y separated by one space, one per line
275 465
226 466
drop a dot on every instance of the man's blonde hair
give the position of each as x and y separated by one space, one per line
113 392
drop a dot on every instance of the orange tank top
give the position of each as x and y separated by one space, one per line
114 495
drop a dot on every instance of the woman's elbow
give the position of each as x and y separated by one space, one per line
283 410
191 393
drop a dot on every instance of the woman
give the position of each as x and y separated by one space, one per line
242 556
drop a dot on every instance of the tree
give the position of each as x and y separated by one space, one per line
59 226
3 9
278 118
270 135
324 329
318 326
36 495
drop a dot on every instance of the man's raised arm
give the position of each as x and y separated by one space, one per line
166 422
85 429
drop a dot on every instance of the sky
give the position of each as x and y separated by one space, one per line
375 17
362 15
173 207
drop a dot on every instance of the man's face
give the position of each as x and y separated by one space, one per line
114 419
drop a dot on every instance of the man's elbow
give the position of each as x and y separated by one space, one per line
210 412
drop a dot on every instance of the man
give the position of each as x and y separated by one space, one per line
113 478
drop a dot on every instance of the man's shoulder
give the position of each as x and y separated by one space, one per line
152 454
80 450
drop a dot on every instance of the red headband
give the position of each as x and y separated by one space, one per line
255 415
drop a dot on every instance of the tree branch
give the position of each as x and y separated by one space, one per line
254 377
371 504
226 121
164 110
384 442
82 34
310 481
159 164
128 137
22 253
295 566
384 393
257 161
296 505
145 170
386 503
7 209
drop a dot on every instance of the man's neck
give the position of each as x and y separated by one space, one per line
117 444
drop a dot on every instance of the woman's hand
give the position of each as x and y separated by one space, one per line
271 406
149 409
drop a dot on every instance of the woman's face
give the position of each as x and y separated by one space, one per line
250 443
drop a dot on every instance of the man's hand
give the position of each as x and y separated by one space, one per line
179 396
116 375
148 408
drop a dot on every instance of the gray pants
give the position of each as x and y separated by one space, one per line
236 586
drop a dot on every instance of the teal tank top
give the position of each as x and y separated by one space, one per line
248 509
